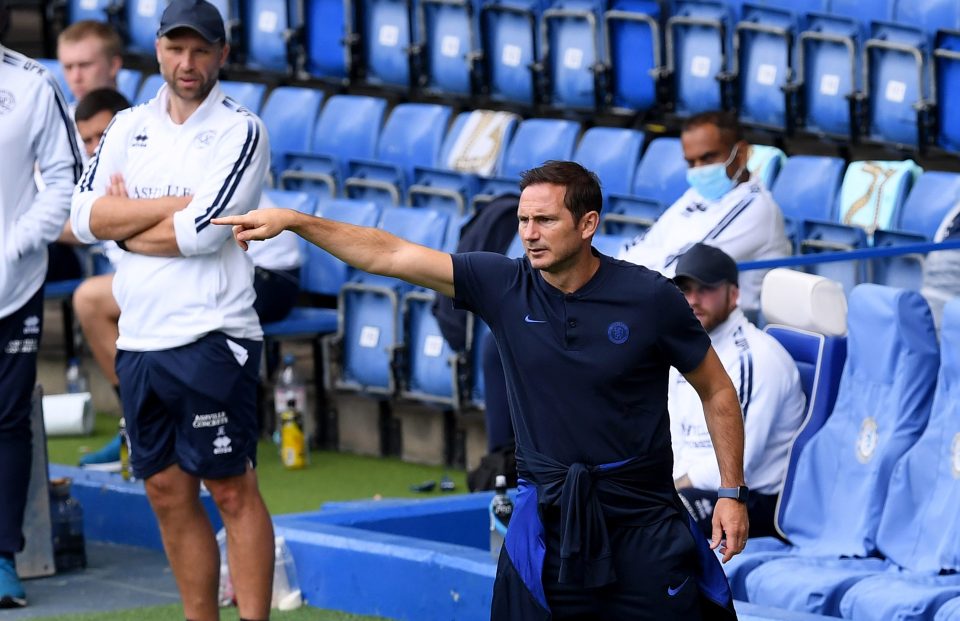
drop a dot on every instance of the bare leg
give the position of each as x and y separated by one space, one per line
98 314
249 541
188 540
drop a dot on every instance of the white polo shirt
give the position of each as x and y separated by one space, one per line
219 156
35 131
772 400
745 223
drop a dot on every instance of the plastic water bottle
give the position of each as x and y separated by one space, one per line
286 586
66 517
225 593
501 508
76 377
124 450
293 447
289 386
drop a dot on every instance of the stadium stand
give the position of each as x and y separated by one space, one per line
449 46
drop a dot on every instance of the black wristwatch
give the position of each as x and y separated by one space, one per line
740 494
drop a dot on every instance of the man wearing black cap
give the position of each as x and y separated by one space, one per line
767 383
190 341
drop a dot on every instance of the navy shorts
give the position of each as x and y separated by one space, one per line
195 406
19 343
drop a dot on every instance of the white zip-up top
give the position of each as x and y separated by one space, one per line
219 156
745 223
771 398
35 130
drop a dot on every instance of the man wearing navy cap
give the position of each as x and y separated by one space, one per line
768 388
190 341
587 342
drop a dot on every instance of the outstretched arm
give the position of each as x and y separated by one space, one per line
725 422
365 248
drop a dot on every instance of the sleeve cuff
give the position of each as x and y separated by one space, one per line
185 231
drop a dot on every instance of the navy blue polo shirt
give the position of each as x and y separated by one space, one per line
586 372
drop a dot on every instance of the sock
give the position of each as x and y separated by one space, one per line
116 389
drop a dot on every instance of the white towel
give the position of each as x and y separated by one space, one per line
480 142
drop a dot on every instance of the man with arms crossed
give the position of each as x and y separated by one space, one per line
190 341
35 134
587 343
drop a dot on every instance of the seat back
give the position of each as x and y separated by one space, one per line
928 15
633 52
612 153
128 83
349 127
662 173
883 402
807 314
765 163
247 94
807 188
830 73
413 135
52 65
572 52
94 10
610 245
328 25
539 140
142 19
450 34
323 273
266 33
764 60
510 39
476 143
895 89
933 195
699 55
947 58
919 529
148 89
386 37
289 116
873 193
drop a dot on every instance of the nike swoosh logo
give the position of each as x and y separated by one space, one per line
528 320
672 592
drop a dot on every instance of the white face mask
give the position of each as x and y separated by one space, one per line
711 181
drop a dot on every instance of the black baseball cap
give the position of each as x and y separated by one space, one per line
197 15
707 265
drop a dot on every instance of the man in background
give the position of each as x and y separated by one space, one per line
89 54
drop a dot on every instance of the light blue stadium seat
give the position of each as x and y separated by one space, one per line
148 89
448 186
883 404
128 83
511 42
386 39
610 245
950 611
932 197
247 94
765 163
947 57
764 42
534 142
52 65
807 189
329 32
871 198
348 127
632 43
573 53
660 179
142 19
95 10
269 27
412 136
289 115
613 154
369 332
697 50
450 45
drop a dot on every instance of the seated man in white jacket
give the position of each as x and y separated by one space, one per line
768 385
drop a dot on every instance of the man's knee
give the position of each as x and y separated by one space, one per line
234 494
171 489
94 296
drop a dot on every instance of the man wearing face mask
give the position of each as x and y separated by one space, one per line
724 207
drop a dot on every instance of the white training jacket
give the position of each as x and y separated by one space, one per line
745 223
772 400
219 156
35 130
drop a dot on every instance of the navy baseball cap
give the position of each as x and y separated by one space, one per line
197 15
707 265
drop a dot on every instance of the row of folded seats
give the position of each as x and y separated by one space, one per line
869 506
880 70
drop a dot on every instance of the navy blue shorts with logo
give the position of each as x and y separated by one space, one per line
195 406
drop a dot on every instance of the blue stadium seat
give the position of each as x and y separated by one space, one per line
613 154
289 115
883 405
897 89
412 136
141 21
534 142
932 197
450 45
572 55
947 56
475 143
348 127
610 245
765 163
128 83
369 331
950 611
807 189
270 25
324 273
53 66
632 54
386 39
660 179
247 94
697 50
148 89
95 10
511 44
764 40
329 32
871 198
